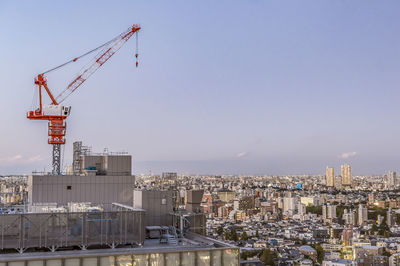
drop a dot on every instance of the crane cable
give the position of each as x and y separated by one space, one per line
79 57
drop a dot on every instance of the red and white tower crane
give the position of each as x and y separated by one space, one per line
55 113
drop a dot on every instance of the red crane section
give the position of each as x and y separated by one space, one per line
55 113
105 54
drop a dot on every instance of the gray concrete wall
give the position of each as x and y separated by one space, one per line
92 161
94 189
118 164
158 205
108 164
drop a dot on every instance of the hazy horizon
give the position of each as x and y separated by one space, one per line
222 87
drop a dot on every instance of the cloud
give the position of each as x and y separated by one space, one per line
18 158
11 158
347 155
36 158
241 154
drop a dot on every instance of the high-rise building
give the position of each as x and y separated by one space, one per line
324 212
338 182
346 175
392 179
362 215
289 204
330 177
389 217
348 217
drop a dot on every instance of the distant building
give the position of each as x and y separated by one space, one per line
289 204
338 182
306 262
313 201
392 179
332 255
389 217
341 262
301 208
331 211
381 203
348 217
362 215
371 250
371 199
236 205
223 212
169 179
330 177
365 259
380 260
394 260
347 235
240 216
207 203
393 204
346 175
308 250
226 195
324 212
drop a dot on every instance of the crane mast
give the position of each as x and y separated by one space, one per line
57 114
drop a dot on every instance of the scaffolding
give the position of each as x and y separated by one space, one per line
79 150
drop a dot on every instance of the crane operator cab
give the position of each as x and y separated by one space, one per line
56 110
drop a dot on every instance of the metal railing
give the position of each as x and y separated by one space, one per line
83 229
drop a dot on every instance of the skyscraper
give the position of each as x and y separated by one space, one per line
392 179
346 175
330 177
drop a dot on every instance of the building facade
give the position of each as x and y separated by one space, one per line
347 179
330 177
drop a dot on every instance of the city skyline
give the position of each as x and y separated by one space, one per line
221 88
200 133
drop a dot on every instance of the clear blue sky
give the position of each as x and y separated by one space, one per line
274 87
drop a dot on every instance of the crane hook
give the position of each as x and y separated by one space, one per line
137 49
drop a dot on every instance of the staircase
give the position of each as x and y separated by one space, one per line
172 236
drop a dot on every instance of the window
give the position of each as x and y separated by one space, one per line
69 187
